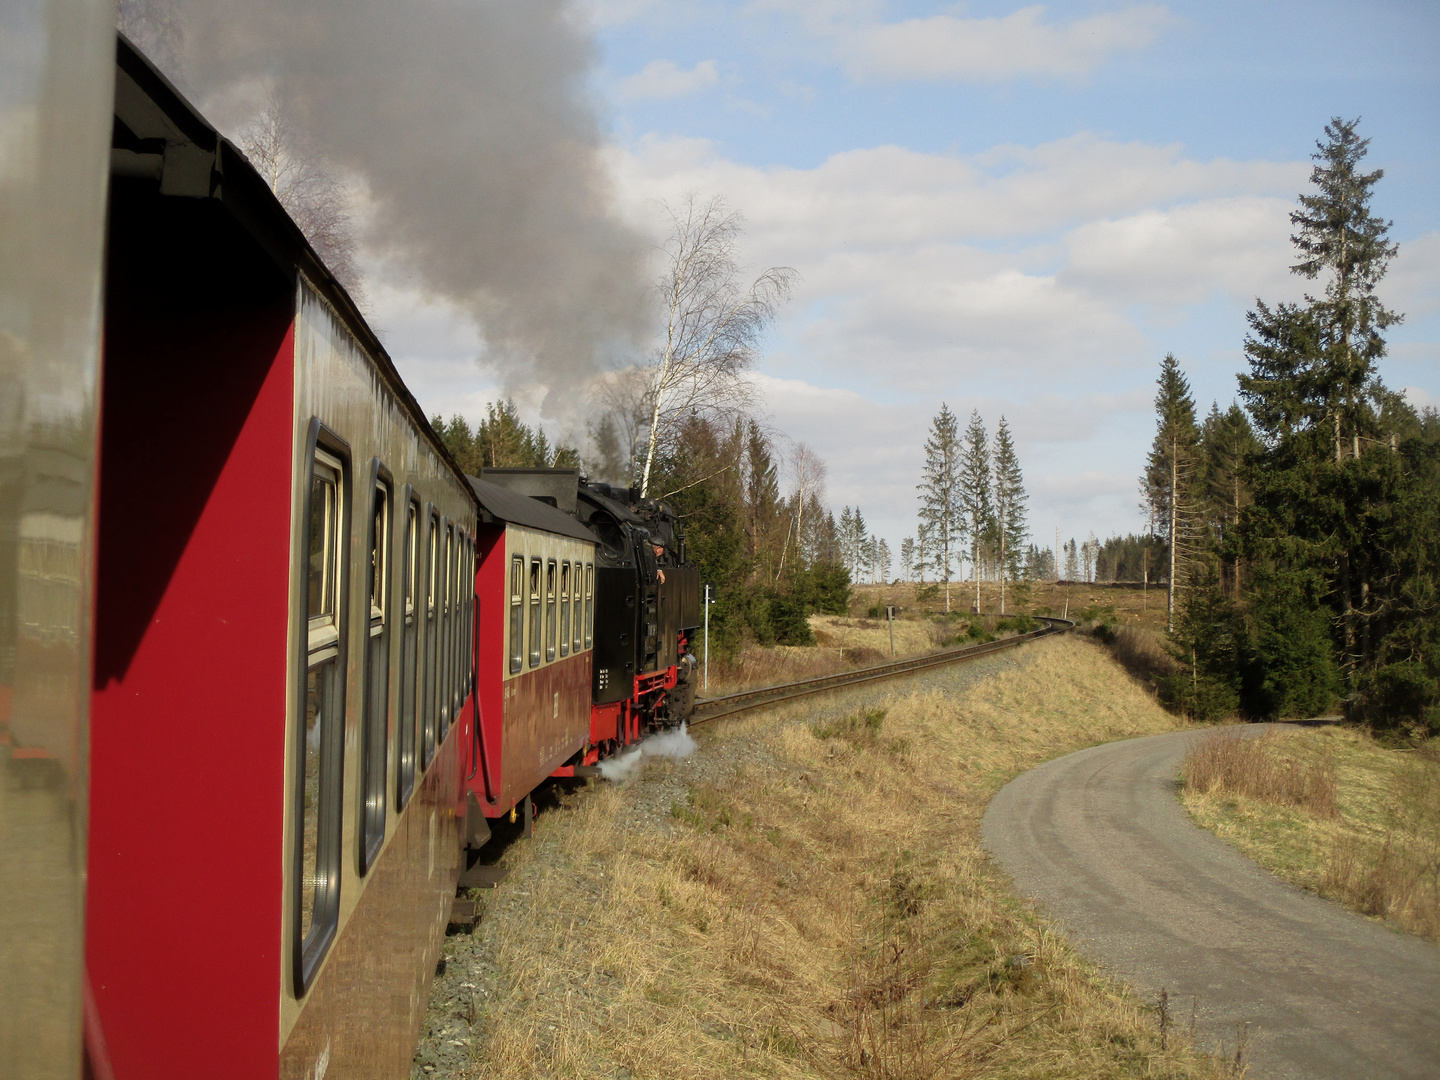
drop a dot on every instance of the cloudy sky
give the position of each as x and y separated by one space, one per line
1013 209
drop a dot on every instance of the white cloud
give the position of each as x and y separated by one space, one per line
1021 281
1421 398
1412 285
994 49
661 79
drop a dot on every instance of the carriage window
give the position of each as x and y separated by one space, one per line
517 613
457 630
376 680
589 604
534 613
550 610
577 611
446 659
318 795
408 724
565 609
432 631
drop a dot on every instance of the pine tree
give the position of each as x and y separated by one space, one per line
1171 472
922 551
1072 561
907 557
1008 498
1342 530
939 489
882 561
975 492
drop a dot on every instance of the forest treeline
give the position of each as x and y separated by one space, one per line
774 557
1304 528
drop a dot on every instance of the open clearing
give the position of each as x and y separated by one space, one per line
806 897
1332 810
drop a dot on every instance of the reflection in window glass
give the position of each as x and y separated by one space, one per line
319 817
317 684
322 556
534 613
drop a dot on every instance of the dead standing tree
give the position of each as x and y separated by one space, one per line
713 325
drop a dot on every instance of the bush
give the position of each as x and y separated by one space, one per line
1020 624
1396 694
1232 764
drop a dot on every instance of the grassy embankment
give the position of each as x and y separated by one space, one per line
818 904
1332 810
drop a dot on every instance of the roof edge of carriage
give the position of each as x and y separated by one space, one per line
199 162
512 508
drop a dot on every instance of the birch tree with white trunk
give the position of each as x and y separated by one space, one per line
713 322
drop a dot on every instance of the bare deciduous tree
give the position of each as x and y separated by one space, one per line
713 324
317 198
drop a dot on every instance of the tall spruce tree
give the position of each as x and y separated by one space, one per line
1008 497
979 515
939 488
1341 535
907 557
1172 473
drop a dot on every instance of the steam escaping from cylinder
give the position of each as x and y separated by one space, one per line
471 131
670 744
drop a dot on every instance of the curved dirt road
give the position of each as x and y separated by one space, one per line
1100 840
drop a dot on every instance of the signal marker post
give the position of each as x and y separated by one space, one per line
709 599
890 618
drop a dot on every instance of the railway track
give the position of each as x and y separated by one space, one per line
730 704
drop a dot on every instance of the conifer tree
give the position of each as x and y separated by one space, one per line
975 492
1171 472
907 556
1008 498
940 507
882 561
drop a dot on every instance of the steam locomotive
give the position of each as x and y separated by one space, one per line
271 662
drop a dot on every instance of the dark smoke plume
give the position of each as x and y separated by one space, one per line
470 123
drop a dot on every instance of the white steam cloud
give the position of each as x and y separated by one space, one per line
471 130
670 744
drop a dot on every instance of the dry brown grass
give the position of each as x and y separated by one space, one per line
1231 763
1373 845
819 906
1131 606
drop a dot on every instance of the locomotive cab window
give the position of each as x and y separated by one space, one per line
550 610
534 613
409 721
376 680
565 608
317 805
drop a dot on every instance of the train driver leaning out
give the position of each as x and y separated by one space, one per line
659 567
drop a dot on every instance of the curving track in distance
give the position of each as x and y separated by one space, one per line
730 704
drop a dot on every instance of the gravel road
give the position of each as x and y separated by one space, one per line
1100 840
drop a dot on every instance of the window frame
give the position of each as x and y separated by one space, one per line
577 606
445 661
536 650
552 573
308 950
430 638
407 726
517 613
374 680
565 608
589 605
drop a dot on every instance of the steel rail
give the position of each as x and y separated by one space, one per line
730 704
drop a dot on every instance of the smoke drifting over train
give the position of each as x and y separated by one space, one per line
473 130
